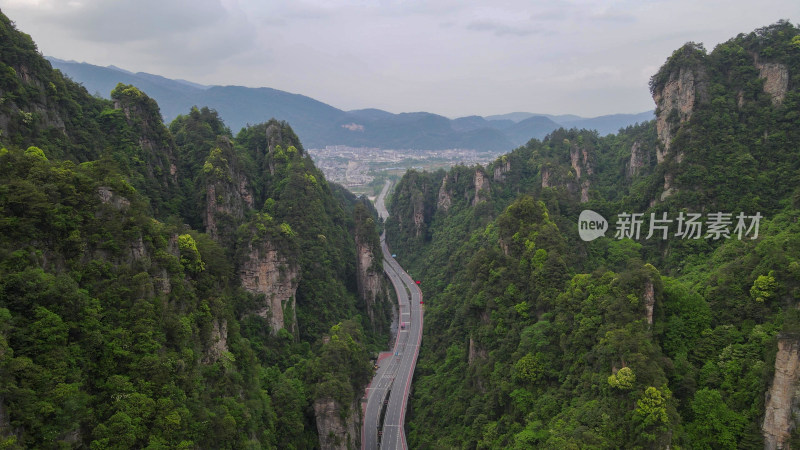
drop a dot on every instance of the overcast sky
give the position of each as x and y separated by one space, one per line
451 57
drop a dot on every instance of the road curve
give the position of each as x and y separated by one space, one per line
392 381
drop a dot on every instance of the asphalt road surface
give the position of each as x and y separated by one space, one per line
379 202
392 381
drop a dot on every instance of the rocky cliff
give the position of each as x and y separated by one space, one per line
218 344
419 218
155 151
776 79
575 178
649 301
444 199
639 160
579 159
782 397
337 429
266 272
678 89
369 280
501 168
369 266
481 185
675 103
228 195
475 352
36 102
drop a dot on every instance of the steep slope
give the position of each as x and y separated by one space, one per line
171 287
538 339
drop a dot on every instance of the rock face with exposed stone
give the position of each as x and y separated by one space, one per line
639 160
675 103
575 178
337 429
481 183
266 272
228 194
501 169
686 86
444 200
370 278
782 397
776 79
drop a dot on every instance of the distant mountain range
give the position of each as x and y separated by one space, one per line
319 124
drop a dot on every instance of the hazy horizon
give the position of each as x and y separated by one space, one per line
447 57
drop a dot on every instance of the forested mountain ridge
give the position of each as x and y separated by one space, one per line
321 124
536 338
173 286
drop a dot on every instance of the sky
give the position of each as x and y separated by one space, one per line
450 57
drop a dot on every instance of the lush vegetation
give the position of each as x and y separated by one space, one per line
537 339
123 321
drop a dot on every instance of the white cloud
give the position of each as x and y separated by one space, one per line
453 57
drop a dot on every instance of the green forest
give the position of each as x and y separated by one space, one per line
185 285
170 286
535 338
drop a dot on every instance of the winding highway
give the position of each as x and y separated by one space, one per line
387 395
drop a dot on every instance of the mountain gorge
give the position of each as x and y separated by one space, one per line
321 124
173 286
536 338
188 285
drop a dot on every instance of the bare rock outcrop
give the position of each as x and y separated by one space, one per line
481 183
776 79
546 173
577 178
107 196
444 200
419 217
337 431
639 160
369 277
218 343
782 396
501 169
676 100
675 103
475 352
649 301
579 159
668 189
265 271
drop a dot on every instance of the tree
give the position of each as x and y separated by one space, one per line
190 256
714 425
529 369
764 288
623 379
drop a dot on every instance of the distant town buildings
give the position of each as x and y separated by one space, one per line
357 166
